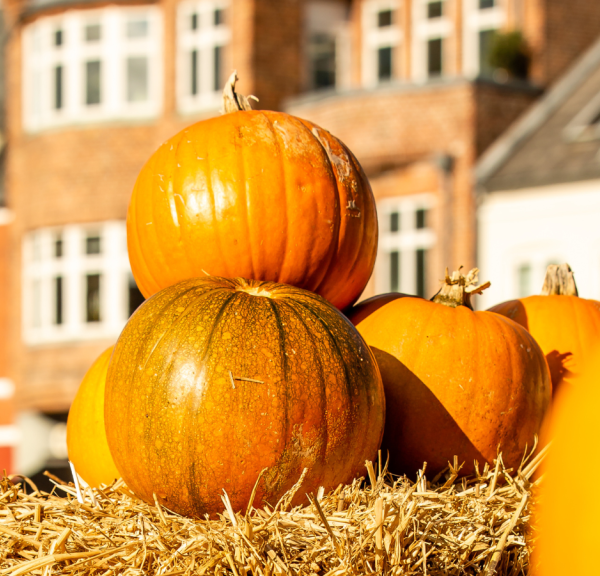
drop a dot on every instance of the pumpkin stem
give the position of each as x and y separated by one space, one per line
559 281
232 101
457 289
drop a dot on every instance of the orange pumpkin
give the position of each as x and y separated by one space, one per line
214 380
565 326
574 430
258 194
86 439
457 382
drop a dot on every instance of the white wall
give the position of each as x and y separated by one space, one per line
537 227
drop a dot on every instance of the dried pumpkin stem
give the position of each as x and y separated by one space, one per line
233 101
457 289
559 281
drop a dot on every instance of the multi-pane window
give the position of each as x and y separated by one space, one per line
203 36
92 65
381 33
406 239
77 283
431 29
481 18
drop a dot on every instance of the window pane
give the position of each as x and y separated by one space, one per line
524 280
58 300
486 4
394 271
486 38
219 16
194 21
394 222
92 245
137 28
218 84
36 290
421 272
92 301
136 298
92 32
58 37
321 53
58 87
384 63
435 9
434 57
194 71
137 79
58 246
92 82
421 219
384 18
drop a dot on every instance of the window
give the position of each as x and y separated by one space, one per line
483 4
524 280
435 9
405 242
382 36
77 283
322 60
202 39
435 56
486 38
384 63
101 64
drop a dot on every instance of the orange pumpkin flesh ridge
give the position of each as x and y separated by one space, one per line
86 438
210 197
566 327
214 379
457 382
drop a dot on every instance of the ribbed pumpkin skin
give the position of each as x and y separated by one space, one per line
457 382
260 195
567 328
178 428
86 438
574 431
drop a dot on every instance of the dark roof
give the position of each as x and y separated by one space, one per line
34 6
556 141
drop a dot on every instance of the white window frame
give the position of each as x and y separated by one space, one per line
406 241
40 56
41 267
425 29
474 21
204 39
374 38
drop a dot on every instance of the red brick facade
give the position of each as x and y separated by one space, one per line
410 139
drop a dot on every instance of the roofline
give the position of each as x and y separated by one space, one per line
499 152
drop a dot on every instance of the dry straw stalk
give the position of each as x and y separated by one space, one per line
386 525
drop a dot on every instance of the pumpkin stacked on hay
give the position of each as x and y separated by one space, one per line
218 382
566 326
457 382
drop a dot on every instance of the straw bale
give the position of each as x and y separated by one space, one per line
384 525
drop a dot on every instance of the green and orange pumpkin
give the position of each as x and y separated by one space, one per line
256 194
215 379
457 382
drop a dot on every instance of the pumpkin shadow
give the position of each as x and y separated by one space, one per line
558 369
418 428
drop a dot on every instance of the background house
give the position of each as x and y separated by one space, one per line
93 87
539 190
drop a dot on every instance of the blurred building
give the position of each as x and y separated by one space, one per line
539 190
93 87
